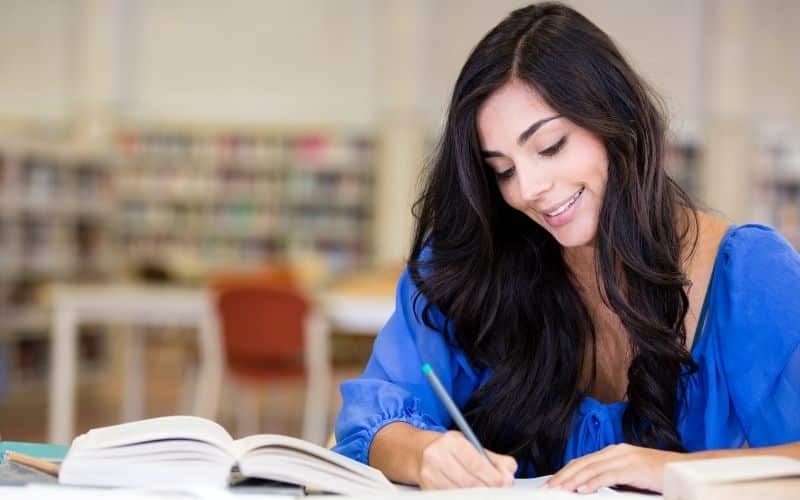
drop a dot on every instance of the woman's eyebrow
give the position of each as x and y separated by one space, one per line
524 136
532 129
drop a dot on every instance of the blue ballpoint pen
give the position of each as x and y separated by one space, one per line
455 413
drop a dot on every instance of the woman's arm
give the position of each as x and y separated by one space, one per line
392 419
397 451
435 460
642 467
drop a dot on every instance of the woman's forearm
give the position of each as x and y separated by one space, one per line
396 451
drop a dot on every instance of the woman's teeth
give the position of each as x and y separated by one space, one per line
563 208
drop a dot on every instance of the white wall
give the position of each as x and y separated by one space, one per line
775 66
253 61
305 61
662 39
320 61
36 67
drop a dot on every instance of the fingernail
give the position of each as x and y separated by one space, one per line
583 488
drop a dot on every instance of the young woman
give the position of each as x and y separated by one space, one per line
590 322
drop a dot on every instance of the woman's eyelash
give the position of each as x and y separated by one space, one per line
550 151
555 148
505 174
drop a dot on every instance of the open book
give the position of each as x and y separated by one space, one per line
171 451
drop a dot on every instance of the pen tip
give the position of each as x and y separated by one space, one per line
426 368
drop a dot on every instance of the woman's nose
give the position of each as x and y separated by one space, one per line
532 184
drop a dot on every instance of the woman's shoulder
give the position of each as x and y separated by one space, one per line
754 278
754 287
755 249
754 316
716 235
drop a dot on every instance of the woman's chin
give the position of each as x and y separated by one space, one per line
577 236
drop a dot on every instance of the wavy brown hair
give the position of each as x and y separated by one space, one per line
501 279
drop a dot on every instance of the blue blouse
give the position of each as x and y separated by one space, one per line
747 349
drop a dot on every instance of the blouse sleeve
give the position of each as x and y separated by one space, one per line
393 387
760 334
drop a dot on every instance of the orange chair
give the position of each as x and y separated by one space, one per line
271 332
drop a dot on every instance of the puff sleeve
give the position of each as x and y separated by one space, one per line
758 318
393 387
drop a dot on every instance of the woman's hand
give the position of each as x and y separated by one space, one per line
451 461
618 464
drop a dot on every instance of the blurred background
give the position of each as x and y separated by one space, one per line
205 205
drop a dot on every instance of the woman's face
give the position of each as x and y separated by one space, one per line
546 166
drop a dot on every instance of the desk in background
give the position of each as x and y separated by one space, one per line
363 303
359 305
138 306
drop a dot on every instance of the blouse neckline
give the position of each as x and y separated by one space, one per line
699 330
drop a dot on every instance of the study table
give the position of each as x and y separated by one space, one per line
361 304
138 306
358 305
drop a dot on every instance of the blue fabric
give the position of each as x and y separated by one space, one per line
747 348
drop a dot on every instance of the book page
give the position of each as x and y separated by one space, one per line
273 443
297 468
154 429
182 449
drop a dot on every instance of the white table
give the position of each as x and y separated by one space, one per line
139 306
357 313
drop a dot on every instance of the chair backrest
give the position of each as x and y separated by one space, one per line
278 275
262 319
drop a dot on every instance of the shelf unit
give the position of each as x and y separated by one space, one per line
776 197
195 200
56 210
182 200
682 164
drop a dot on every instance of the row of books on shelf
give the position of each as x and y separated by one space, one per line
199 188
36 182
777 187
234 249
243 197
39 243
307 151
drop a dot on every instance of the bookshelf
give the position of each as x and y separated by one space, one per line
184 201
682 164
776 197
56 211
196 200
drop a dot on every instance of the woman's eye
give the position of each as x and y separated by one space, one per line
505 174
555 148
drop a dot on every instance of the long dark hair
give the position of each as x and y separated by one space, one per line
501 279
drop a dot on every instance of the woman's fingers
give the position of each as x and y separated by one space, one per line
434 479
451 461
505 463
440 467
622 464
594 470
578 464
488 473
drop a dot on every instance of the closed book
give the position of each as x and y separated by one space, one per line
755 477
